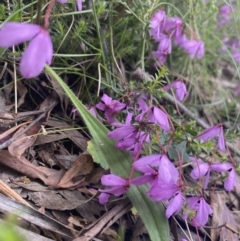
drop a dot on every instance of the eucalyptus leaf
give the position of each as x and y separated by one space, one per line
107 155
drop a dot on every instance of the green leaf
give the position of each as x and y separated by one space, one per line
104 152
181 148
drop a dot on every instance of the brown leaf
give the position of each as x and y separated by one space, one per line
82 165
26 139
17 147
50 177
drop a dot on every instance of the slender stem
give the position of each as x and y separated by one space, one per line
100 38
39 8
47 14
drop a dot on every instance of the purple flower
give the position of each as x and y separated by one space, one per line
161 191
180 89
118 187
160 57
225 12
155 115
201 169
174 26
157 24
167 172
174 205
195 48
165 43
211 133
13 33
79 4
110 107
180 40
38 52
202 210
230 182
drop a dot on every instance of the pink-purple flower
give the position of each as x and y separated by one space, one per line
179 87
118 186
79 3
230 182
157 23
225 14
175 204
110 107
211 133
203 210
39 51
195 48
155 115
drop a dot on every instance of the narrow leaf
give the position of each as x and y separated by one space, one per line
104 152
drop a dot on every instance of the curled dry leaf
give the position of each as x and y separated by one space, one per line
82 166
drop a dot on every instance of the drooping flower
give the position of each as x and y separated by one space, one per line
79 4
165 43
174 205
230 182
155 115
157 23
128 136
160 191
174 26
195 48
201 169
225 12
110 107
180 89
211 133
118 187
180 40
160 57
203 210
38 52
14 33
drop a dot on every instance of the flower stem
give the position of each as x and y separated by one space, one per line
47 14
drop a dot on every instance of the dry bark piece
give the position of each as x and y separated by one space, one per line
57 200
33 216
222 218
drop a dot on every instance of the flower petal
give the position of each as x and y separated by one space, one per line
79 5
200 170
230 181
167 171
13 33
113 180
174 205
37 54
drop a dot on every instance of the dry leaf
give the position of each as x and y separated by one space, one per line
82 165
50 177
